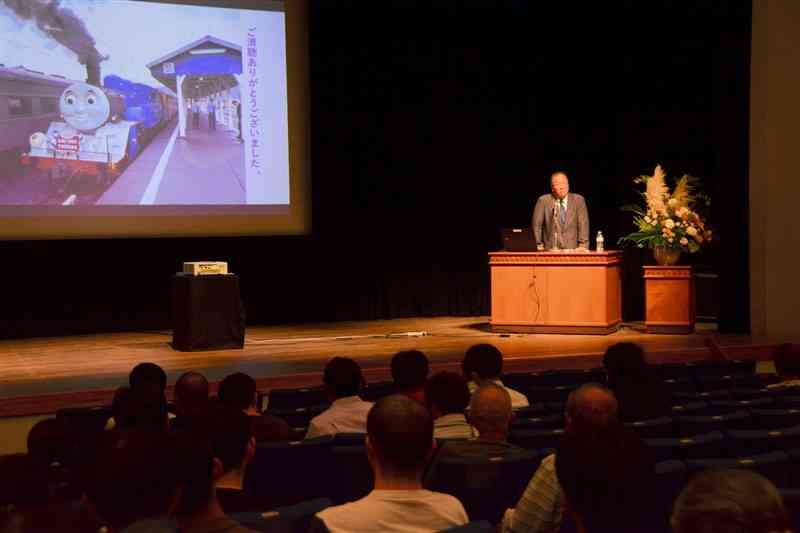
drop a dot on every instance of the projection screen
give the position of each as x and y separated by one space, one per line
141 118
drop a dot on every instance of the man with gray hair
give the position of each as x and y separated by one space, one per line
590 408
490 414
560 219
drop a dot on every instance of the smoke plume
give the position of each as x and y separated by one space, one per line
63 26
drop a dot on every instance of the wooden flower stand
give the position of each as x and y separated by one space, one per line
669 299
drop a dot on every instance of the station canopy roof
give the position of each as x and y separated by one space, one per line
209 64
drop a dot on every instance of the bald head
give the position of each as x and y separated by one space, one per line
559 184
400 435
490 409
191 393
591 406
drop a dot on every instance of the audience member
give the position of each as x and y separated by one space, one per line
718 501
135 480
641 395
145 405
348 412
787 365
607 478
233 446
399 443
447 396
409 373
201 468
484 362
27 503
144 380
191 394
491 415
238 391
147 373
590 408
52 441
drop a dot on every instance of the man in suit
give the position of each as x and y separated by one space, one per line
560 219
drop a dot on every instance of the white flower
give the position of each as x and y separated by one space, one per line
672 202
648 220
669 223
691 230
684 241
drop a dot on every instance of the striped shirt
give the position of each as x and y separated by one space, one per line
453 426
542 504
518 400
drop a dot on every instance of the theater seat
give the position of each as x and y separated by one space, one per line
485 486
712 444
775 466
754 442
690 409
536 439
554 421
548 394
775 418
653 428
373 392
351 474
276 473
670 478
297 417
290 519
687 426
721 407
295 398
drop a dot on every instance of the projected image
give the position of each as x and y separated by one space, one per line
112 102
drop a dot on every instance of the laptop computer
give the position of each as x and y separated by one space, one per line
518 240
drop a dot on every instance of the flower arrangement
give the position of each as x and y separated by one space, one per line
669 221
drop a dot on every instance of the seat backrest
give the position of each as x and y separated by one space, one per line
712 444
775 466
294 398
536 439
290 519
297 417
554 421
373 392
687 426
653 428
775 418
351 474
754 442
276 472
486 486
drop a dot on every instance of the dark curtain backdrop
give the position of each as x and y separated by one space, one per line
434 125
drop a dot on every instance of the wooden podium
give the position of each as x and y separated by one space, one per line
556 292
669 299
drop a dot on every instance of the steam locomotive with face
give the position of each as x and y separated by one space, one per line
103 129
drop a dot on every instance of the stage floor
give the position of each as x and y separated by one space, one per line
38 376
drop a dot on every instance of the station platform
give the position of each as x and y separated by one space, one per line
205 167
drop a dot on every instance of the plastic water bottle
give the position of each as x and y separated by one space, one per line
600 241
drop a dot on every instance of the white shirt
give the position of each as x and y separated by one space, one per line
518 400
401 511
453 426
345 415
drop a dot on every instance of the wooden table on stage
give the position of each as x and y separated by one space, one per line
556 292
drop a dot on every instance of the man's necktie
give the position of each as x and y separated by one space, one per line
562 212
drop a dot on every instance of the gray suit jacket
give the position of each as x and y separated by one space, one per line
575 232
